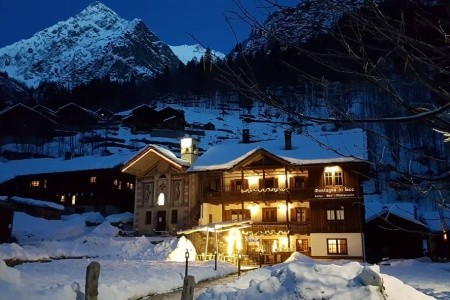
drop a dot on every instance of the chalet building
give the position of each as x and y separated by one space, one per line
72 117
80 184
396 232
171 118
6 221
141 118
22 124
144 119
269 199
165 194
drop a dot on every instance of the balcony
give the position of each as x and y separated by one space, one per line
257 195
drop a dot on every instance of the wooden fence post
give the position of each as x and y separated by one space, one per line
188 288
92 275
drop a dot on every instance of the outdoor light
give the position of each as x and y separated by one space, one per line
275 255
239 262
215 259
260 258
186 254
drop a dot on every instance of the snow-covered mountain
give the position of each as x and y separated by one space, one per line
93 44
296 25
186 53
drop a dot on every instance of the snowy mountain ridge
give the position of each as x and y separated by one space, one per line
186 53
298 25
93 44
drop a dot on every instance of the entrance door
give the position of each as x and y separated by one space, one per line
161 220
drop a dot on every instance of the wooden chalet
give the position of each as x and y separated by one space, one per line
72 117
141 118
171 118
6 221
264 199
22 124
80 184
395 232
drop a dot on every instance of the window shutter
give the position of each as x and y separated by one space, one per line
275 182
245 184
227 216
292 183
293 215
308 214
233 185
247 215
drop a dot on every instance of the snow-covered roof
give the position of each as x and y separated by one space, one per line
33 202
13 168
307 148
404 210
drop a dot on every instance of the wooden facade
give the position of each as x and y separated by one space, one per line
392 236
105 190
6 221
34 128
258 203
291 208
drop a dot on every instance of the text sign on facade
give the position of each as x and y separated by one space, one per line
334 192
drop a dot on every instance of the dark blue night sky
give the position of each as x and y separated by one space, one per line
173 21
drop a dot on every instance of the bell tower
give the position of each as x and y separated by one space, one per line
189 149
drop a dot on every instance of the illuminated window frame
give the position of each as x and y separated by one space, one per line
336 213
34 183
333 176
337 246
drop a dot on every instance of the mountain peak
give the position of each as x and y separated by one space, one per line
95 8
95 43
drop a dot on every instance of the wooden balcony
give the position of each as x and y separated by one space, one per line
257 196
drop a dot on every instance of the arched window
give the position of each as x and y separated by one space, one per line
161 199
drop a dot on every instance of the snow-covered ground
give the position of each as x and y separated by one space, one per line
132 267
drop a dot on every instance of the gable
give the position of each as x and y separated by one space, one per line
150 158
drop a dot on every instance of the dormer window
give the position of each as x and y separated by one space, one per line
333 176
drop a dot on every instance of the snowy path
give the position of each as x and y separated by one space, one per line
199 288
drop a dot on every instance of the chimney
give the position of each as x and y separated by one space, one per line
189 149
287 140
245 136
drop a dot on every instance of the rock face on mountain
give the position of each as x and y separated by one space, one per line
11 91
93 44
297 25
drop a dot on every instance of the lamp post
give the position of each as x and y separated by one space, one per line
260 258
275 256
186 254
239 263
215 259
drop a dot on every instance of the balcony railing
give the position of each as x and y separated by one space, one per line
257 195
274 194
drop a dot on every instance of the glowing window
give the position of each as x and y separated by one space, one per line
74 199
161 199
335 213
333 176
93 179
34 183
63 198
337 246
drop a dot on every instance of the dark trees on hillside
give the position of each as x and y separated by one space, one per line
392 61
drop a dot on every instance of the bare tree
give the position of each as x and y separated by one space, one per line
389 50
369 42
